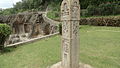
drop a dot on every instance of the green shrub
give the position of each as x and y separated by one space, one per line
54 10
103 9
53 14
5 31
117 9
92 10
107 9
84 13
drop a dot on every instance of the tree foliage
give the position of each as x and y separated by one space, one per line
43 4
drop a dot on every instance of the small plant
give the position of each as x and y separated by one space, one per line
5 31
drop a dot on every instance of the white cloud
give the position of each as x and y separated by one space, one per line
7 3
14 1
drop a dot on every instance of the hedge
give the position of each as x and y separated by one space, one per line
101 21
5 31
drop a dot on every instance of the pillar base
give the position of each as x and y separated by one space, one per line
81 65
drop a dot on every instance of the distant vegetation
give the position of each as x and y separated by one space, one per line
89 7
102 9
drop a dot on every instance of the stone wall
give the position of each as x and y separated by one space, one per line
101 21
28 25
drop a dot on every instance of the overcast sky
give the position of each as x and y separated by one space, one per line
7 3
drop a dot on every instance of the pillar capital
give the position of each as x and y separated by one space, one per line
70 10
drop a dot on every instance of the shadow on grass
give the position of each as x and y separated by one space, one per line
7 50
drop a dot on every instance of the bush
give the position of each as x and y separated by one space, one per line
101 21
83 13
53 14
103 9
92 10
54 10
107 9
5 31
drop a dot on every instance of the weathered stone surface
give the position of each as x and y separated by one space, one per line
31 23
70 38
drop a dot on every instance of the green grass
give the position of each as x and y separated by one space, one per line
101 49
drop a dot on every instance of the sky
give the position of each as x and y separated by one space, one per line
7 3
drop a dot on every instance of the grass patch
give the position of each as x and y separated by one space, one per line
98 48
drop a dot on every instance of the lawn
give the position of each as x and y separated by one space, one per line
99 47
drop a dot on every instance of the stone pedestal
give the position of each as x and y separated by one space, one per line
58 65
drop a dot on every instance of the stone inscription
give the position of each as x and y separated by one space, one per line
65 45
65 29
65 10
75 28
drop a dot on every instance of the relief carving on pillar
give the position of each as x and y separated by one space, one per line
75 28
75 11
65 29
65 10
65 43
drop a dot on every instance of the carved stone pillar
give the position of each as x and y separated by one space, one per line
70 16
